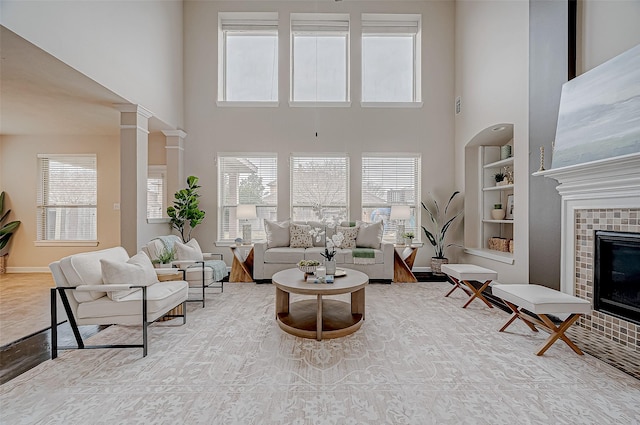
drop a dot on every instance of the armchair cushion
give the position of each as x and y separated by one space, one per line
161 297
190 251
85 269
138 270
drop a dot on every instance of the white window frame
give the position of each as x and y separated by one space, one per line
244 23
158 172
43 204
264 210
415 205
382 24
296 157
319 24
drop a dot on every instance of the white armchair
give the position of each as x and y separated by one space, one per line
107 287
199 268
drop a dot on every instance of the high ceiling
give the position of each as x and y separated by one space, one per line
40 95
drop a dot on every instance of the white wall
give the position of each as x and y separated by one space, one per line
133 48
606 28
18 168
211 129
492 61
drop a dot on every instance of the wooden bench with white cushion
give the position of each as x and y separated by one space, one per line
542 301
468 273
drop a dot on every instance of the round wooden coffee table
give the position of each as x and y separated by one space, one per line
319 318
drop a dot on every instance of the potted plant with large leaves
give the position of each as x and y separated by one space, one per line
441 221
185 213
6 232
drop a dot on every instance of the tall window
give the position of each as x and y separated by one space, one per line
320 65
391 179
156 191
67 198
319 187
248 62
246 179
390 58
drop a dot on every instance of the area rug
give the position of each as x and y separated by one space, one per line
419 358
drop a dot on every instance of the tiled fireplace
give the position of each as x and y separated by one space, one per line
601 195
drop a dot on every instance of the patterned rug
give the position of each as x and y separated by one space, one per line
419 358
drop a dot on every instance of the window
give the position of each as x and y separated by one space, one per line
391 179
248 62
67 198
156 191
251 179
319 49
390 58
320 187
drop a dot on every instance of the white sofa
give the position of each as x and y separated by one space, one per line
275 255
106 287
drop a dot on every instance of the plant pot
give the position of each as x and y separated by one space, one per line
498 214
436 265
408 241
3 264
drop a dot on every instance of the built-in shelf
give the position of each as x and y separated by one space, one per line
503 187
501 163
490 195
503 257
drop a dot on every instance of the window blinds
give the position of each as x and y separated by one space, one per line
313 23
319 187
67 197
390 180
390 24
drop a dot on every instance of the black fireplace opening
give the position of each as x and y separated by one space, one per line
616 277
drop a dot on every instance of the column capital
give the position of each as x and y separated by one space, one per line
132 107
174 133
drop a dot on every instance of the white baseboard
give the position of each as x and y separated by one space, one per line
421 269
28 270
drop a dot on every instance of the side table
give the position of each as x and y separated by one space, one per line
403 263
241 268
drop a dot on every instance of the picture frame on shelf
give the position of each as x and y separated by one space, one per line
509 212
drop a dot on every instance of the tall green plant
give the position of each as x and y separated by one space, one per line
6 230
440 222
185 213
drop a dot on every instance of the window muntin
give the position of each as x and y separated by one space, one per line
391 179
156 191
319 187
320 57
247 178
249 59
67 199
390 58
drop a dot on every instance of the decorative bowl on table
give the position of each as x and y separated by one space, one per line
308 267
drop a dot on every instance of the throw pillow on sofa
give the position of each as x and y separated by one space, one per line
370 235
189 251
350 234
138 270
300 236
277 233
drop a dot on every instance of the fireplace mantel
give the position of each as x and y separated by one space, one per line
605 184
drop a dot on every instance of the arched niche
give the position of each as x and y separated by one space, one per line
498 134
